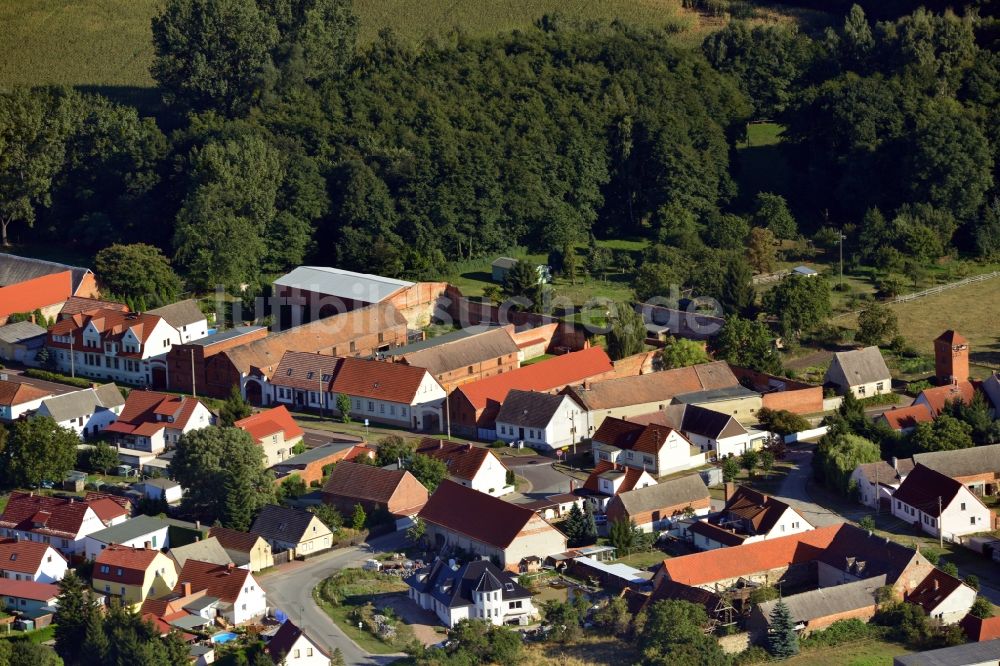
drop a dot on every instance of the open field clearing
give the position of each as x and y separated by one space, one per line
106 43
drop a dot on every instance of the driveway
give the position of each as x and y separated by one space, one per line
540 474
793 492
289 588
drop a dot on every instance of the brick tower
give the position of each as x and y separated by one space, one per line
951 358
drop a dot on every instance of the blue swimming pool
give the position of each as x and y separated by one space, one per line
224 637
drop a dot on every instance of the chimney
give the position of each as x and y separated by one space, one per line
730 490
937 584
186 587
586 384
148 545
572 485
229 566
895 464
197 524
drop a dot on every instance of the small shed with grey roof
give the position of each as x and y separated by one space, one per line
818 609
862 372
500 267
20 341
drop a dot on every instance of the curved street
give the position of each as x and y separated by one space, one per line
289 589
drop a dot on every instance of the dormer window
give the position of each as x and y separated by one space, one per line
288 373
310 374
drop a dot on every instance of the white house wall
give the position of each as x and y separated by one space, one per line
955 606
250 604
490 479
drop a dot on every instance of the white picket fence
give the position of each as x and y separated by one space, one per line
931 291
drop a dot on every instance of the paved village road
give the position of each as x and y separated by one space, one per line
793 492
289 589
538 470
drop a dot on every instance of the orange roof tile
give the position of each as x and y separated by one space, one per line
907 417
223 581
978 629
133 563
938 396
548 375
26 589
933 590
393 382
463 460
632 476
270 422
723 563
22 556
36 293
139 415
18 393
62 517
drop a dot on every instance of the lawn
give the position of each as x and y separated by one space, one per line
923 319
590 649
869 652
351 589
642 560
760 165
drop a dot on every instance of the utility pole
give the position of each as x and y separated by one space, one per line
940 526
320 394
194 388
842 237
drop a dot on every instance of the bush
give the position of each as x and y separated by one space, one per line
879 400
782 421
78 382
840 632
498 444
754 654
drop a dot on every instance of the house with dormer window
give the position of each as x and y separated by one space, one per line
478 590
108 344
62 522
152 422
133 574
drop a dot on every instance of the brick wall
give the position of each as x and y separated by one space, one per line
211 378
638 364
465 313
796 397
409 495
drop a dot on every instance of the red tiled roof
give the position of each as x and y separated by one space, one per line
282 642
27 589
108 506
36 293
463 460
907 417
644 438
23 556
17 393
978 629
926 489
112 324
548 375
365 482
722 563
474 514
393 382
632 476
716 533
222 581
270 422
939 395
132 562
933 590
762 511
62 517
80 305
139 415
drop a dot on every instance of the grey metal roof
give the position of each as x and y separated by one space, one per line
20 331
342 284
207 550
82 403
970 654
858 366
181 313
312 455
161 483
529 409
828 601
672 492
189 622
15 269
201 603
130 529
716 395
228 334
962 462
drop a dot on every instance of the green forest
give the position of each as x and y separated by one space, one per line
282 140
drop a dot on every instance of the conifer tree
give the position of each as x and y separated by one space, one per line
782 640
